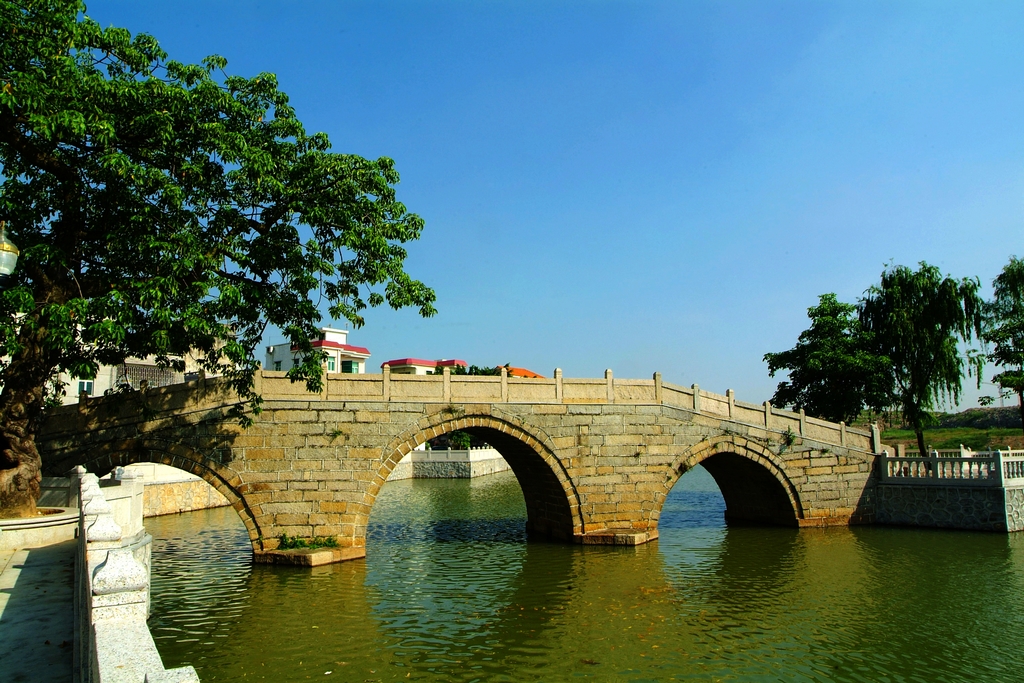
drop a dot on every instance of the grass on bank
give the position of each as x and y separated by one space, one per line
941 438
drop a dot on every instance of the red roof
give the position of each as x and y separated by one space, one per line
423 363
336 345
523 372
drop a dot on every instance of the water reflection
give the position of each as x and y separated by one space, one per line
452 590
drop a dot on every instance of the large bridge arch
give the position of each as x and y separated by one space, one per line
752 479
552 502
104 457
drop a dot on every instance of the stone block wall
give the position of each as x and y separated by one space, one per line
449 464
1014 509
982 508
181 496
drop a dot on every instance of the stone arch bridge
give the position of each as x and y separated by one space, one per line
595 457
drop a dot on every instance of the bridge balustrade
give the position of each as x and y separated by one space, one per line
463 389
960 467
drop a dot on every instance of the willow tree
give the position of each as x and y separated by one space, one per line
918 320
162 207
1005 330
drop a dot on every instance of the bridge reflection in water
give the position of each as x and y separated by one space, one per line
452 590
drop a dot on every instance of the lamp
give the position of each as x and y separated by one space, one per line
8 256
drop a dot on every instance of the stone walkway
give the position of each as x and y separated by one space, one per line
37 628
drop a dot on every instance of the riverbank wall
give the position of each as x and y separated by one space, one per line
170 490
112 586
449 464
951 507
951 489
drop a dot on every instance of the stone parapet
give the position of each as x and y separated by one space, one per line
113 643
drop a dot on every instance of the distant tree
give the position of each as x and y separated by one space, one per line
471 370
1004 329
917 320
832 372
457 440
161 208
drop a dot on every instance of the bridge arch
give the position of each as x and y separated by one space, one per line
752 479
552 502
102 458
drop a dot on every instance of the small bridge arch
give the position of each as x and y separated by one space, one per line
752 479
552 502
104 457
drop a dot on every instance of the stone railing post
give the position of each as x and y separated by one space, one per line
657 388
504 385
842 435
75 486
386 385
447 379
134 480
731 396
767 415
803 422
83 403
695 388
997 463
876 438
610 389
558 384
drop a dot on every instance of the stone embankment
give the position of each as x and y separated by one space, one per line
449 464
170 490
951 489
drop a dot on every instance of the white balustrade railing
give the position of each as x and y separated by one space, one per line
951 467
113 642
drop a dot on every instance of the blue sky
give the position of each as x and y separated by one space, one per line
649 186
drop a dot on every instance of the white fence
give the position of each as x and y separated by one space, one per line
112 587
962 467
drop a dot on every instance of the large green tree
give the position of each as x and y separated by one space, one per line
162 207
1005 329
833 372
918 320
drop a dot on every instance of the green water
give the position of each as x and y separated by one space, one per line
452 591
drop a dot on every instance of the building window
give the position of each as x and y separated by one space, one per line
350 366
330 364
85 388
295 362
277 365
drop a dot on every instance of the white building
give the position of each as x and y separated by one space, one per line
418 366
341 356
134 372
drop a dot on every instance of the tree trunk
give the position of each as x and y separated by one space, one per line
1020 403
21 402
20 466
920 442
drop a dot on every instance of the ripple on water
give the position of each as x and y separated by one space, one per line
452 590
